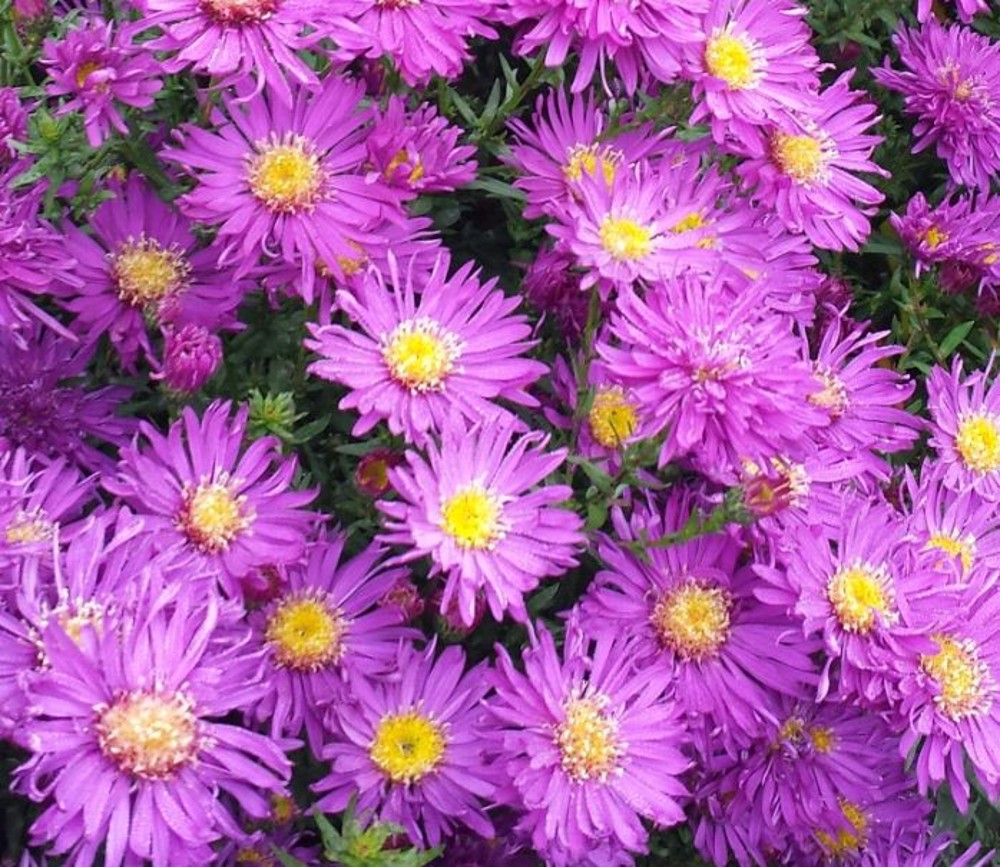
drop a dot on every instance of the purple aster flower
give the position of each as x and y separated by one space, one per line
567 139
426 351
46 412
133 711
98 66
474 506
412 747
803 169
966 9
234 39
553 288
751 62
722 375
951 83
143 265
199 489
695 617
965 428
506 849
286 181
191 356
589 745
13 125
324 628
418 152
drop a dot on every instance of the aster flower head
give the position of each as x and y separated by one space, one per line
751 62
144 265
322 629
475 506
422 37
286 181
191 356
804 168
552 287
589 745
198 488
412 747
13 124
98 67
722 375
135 711
426 350
950 83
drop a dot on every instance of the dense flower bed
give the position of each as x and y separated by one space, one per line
499 432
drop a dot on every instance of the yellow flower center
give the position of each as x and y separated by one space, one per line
237 12
960 675
823 739
978 442
731 58
625 239
934 237
420 354
582 158
612 417
150 735
792 729
213 515
846 841
73 618
28 527
416 172
693 620
588 739
694 220
964 548
306 632
803 158
832 393
285 174
407 746
859 591
473 517
145 272
83 72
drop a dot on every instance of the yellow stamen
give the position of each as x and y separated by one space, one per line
933 237
850 840
832 394
588 739
625 239
693 619
730 57
694 220
146 273
963 548
823 739
213 515
407 746
420 353
285 174
306 631
960 675
473 517
29 527
857 592
804 158
581 158
613 417
978 442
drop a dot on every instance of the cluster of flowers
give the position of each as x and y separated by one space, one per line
177 623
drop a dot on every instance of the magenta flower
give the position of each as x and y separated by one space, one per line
966 9
552 287
475 507
426 351
951 83
199 489
134 711
98 67
589 744
324 629
412 747
804 168
286 181
13 124
191 356
144 265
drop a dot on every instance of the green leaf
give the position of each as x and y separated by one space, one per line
286 859
954 337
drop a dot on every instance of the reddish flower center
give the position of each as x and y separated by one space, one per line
232 13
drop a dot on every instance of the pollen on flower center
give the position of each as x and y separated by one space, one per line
146 273
964 548
694 220
83 72
150 735
612 417
847 840
28 527
582 158
473 517
588 739
960 675
625 239
236 12
73 618
934 237
407 746
306 631
693 619
978 442
213 515
832 394
823 739
420 354
804 158
857 592
731 58
285 174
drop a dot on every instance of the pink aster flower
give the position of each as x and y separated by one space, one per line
323 629
144 265
286 181
589 744
752 61
135 712
423 37
965 428
552 287
412 747
198 488
191 356
426 351
13 124
475 507
98 66
418 152
804 168
951 83
721 375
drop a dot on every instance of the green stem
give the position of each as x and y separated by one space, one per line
535 71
